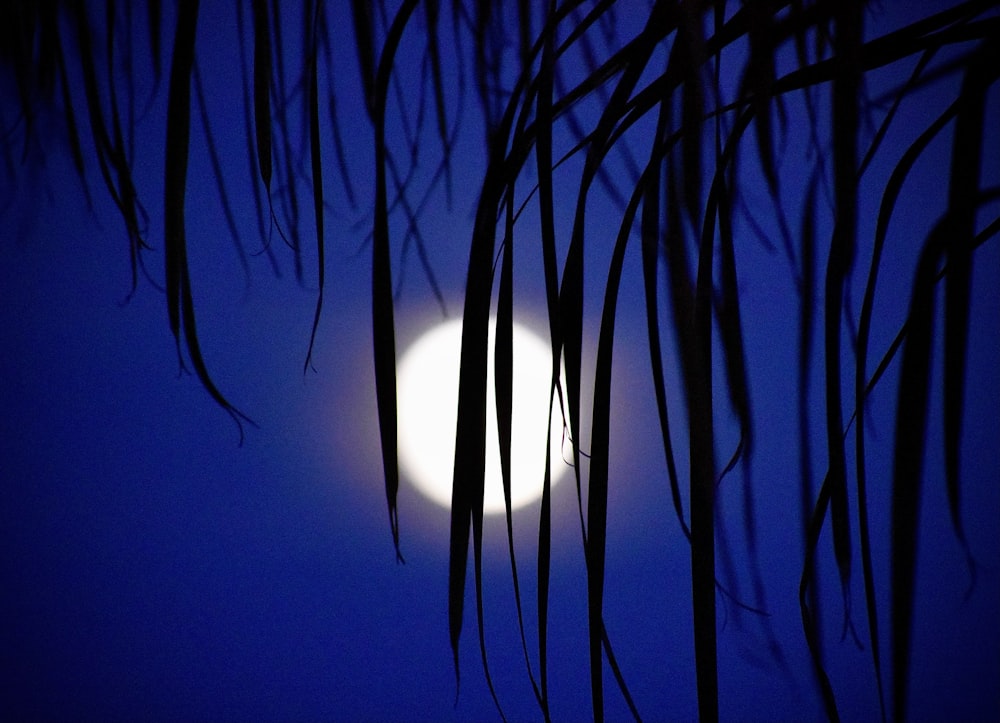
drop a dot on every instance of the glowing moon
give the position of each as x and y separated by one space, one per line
427 381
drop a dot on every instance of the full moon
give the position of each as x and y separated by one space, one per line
428 408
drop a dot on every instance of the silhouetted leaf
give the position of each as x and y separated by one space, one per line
316 158
503 382
176 162
179 294
701 444
807 291
597 489
963 196
863 387
262 91
470 434
383 326
846 86
650 254
911 422
809 614
543 154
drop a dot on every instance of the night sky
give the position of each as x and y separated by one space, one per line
151 568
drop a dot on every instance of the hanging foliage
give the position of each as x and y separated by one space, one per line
667 110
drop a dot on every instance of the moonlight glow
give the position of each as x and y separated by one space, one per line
428 402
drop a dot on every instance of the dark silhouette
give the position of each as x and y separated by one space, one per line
670 116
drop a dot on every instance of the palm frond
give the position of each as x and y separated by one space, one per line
673 117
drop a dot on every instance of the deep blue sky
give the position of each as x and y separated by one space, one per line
152 569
